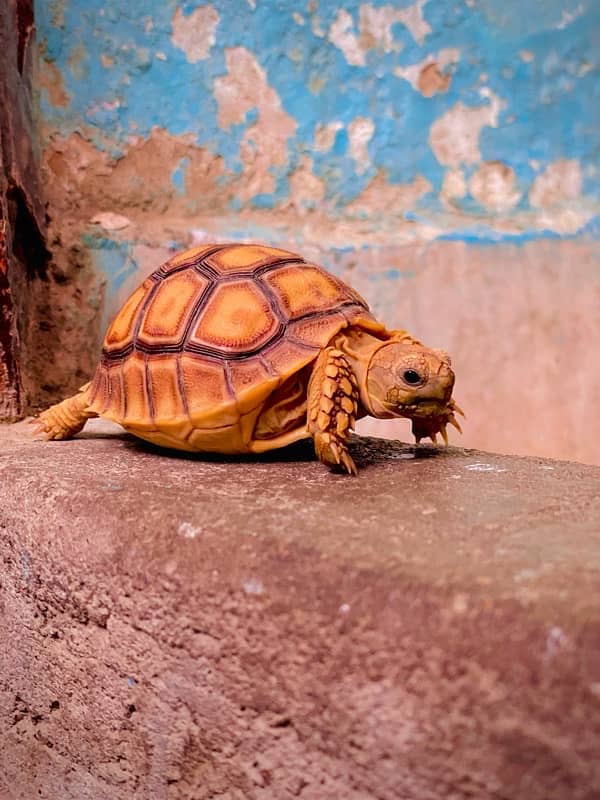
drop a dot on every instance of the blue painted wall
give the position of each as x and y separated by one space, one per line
331 63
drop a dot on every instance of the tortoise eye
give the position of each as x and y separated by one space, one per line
411 376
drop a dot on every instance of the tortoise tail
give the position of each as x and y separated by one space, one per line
65 419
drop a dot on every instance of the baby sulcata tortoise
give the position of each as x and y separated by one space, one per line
238 348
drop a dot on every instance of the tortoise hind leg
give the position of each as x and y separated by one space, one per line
332 406
65 419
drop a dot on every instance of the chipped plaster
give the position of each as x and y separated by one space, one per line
360 133
375 30
433 73
454 137
195 33
558 184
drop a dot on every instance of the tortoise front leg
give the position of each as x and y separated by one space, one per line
332 406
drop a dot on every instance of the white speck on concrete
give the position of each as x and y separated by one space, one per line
188 530
460 603
344 608
253 586
525 575
556 641
480 466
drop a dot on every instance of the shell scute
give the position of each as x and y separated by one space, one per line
164 321
245 257
305 289
120 332
166 394
206 389
107 391
286 352
135 390
251 382
317 331
236 317
188 258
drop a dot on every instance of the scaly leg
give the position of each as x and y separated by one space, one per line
332 406
65 419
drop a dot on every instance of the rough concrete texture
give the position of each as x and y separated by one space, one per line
364 135
182 627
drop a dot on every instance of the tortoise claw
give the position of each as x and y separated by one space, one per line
429 427
453 405
454 422
444 434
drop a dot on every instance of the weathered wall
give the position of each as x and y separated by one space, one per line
22 251
443 157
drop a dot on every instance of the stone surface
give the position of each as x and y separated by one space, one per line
190 627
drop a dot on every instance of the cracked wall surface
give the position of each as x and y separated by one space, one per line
378 138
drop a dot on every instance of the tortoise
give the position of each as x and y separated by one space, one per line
243 348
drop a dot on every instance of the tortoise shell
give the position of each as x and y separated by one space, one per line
213 350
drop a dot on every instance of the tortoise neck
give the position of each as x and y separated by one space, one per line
359 347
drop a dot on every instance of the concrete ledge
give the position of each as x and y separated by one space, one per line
178 627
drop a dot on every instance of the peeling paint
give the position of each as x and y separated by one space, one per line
306 190
195 34
454 187
375 30
432 74
454 137
264 143
51 81
265 91
342 35
325 136
380 197
559 183
360 133
493 185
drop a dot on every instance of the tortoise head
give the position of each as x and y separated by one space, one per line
406 379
